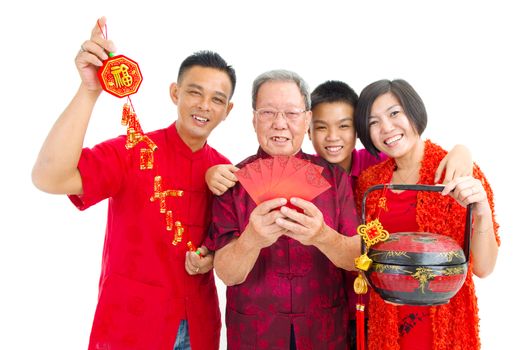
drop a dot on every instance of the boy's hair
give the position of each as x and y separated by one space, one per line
334 91
281 75
208 59
409 99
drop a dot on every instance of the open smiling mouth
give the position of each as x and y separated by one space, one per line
333 149
393 139
200 119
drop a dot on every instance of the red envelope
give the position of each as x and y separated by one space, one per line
305 183
255 171
294 165
284 177
252 188
279 164
266 165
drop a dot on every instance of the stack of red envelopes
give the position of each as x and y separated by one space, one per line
283 177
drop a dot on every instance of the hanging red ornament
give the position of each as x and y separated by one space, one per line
120 76
178 236
146 160
360 325
169 220
361 288
371 233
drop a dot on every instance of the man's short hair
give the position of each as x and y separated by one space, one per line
282 75
208 59
332 91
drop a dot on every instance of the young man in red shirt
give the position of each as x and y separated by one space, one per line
153 293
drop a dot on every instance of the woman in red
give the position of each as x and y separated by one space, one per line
390 118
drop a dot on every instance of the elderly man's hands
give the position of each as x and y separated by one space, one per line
308 227
263 229
272 219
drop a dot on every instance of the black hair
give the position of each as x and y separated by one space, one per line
334 91
409 99
208 59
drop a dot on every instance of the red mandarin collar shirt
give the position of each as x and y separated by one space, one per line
290 283
144 290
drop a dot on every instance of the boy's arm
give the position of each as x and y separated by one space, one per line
458 162
220 178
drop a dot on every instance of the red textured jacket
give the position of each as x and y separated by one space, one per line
455 325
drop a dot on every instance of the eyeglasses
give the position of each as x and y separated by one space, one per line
272 113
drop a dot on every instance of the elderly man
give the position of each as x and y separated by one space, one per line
283 268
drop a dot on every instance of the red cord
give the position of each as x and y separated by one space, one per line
101 29
360 324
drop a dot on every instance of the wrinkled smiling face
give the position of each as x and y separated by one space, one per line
202 97
281 135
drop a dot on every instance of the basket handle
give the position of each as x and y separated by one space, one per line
418 187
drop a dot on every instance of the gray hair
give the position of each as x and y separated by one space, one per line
282 75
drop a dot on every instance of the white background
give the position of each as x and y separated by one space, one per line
467 59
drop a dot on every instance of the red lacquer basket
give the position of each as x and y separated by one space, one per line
417 268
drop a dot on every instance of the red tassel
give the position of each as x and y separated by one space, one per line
360 324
